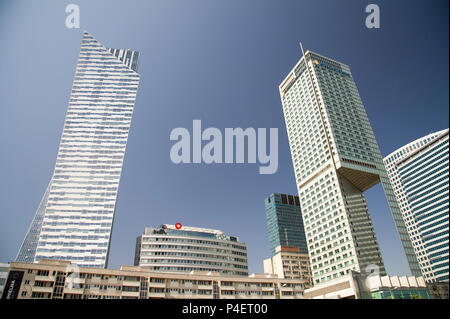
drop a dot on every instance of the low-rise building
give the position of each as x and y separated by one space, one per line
4 267
168 249
53 279
439 290
357 286
289 262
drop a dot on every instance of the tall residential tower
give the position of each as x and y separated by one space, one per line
336 158
75 217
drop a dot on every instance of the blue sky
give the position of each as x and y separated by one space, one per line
220 62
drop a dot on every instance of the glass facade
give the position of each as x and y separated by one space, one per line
284 222
336 158
76 215
401 294
424 176
390 163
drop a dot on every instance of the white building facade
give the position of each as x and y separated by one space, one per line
390 161
289 262
425 178
188 249
74 221
336 158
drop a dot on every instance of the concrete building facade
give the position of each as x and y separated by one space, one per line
168 249
390 162
52 279
75 217
289 262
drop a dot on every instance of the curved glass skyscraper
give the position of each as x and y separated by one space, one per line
75 217
419 175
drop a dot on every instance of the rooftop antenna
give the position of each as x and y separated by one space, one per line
303 52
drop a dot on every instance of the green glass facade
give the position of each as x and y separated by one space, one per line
401 294
284 222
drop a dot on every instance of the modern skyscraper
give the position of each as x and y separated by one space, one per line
284 222
75 217
391 162
336 158
27 251
424 178
168 249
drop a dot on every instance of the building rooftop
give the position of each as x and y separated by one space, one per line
194 229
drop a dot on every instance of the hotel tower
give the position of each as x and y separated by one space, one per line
74 219
336 158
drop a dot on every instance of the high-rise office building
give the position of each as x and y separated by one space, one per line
169 249
424 177
284 222
336 158
75 217
390 161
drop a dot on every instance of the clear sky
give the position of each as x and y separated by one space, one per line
220 62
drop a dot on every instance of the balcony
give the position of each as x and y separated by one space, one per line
156 294
73 290
112 281
173 295
43 289
226 287
131 283
130 293
157 284
207 287
266 288
44 278
94 290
